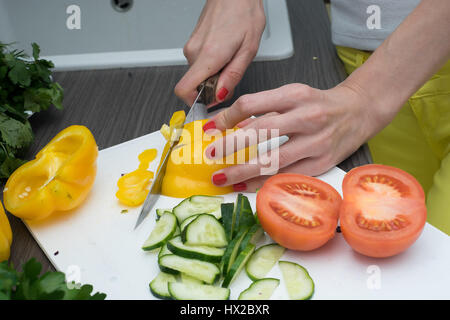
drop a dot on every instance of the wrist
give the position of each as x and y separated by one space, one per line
375 99
359 112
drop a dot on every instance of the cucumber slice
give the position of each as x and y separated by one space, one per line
298 283
164 250
260 289
228 218
183 291
160 212
165 268
205 230
159 286
253 235
238 264
263 260
196 205
244 214
232 251
176 233
164 229
189 280
187 221
202 270
203 253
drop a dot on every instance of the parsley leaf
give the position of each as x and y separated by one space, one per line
26 86
29 285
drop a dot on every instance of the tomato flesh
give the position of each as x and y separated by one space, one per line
297 211
383 211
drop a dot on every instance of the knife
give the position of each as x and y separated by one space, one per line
206 95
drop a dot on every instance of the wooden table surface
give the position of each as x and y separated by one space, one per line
121 104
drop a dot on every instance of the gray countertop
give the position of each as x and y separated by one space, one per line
122 104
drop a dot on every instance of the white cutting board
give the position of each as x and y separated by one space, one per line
96 244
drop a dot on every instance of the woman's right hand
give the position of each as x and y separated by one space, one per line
225 39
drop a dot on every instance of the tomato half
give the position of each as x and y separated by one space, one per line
383 211
297 211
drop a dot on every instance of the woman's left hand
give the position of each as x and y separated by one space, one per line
324 127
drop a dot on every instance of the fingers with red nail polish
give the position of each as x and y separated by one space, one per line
242 186
221 94
209 125
219 179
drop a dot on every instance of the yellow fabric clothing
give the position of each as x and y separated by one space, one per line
418 139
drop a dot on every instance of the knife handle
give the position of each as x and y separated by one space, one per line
208 95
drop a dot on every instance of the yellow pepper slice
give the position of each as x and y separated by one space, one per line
58 179
146 157
133 186
189 171
5 235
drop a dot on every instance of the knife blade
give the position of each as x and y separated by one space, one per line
197 111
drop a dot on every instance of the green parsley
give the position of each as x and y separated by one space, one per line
26 86
29 285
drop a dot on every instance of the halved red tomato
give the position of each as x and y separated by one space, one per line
297 211
383 211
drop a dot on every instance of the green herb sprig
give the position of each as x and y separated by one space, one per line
26 86
29 285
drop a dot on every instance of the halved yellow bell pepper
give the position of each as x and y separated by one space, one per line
189 172
5 235
58 179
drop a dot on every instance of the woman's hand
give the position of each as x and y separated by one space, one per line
324 127
226 38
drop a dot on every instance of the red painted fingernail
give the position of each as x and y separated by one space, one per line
239 186
222 94
209 125
213 152
219 179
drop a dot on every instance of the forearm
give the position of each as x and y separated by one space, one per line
405 61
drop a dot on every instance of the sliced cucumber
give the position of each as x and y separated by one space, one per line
196 205
232 251
204 253
228 219
260 290
183 291
244 213
238 264
160 212
159 286
263 260
164 229
187 221
164 250
298 283
165 268
205 230
189 280
253 235
202 270
176 233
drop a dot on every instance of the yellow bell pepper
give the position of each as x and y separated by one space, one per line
133 186
5 235
58 179
189 172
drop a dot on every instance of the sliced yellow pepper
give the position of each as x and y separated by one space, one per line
189 171
58 179
133 186
5 235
